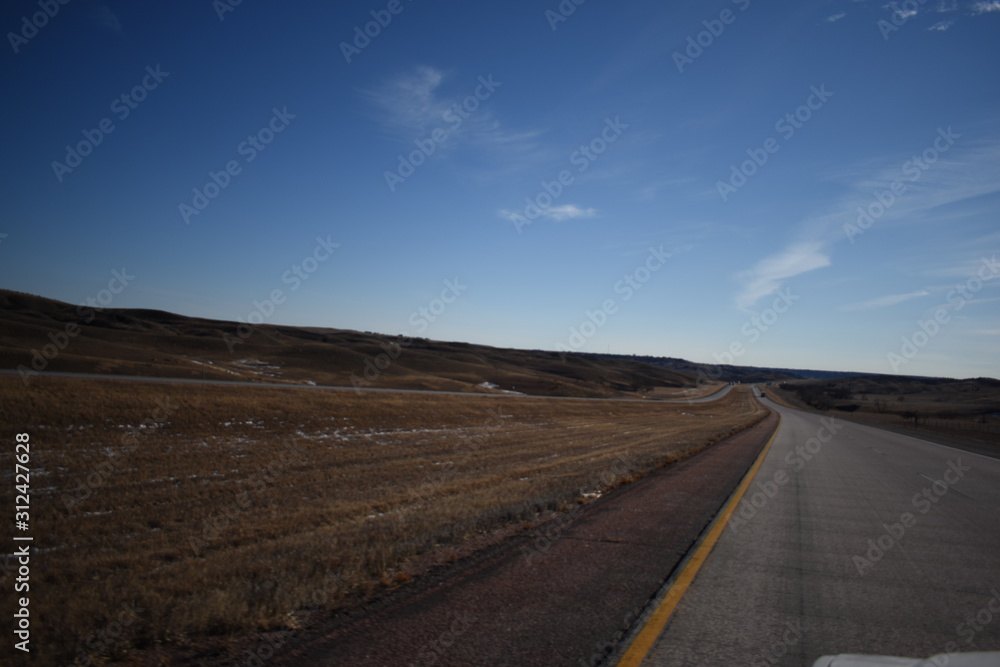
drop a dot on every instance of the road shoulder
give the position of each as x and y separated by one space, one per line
565 592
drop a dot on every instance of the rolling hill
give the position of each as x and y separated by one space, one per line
40 334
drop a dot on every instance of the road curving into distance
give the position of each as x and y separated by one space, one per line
848 539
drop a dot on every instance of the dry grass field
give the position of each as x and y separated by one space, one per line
169 515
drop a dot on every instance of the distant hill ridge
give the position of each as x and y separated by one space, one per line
41 334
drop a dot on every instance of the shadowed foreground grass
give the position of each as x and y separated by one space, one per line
164 514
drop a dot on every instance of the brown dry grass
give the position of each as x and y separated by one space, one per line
686 393
217 511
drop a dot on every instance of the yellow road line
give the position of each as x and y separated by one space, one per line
644 641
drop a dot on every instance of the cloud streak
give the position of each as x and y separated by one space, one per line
964 173
412 105
556 213
883 302
770 273
985 7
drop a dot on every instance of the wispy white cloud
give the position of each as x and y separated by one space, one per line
835 17
412 106
963 173
957 304
568 212
985 7
770 273
882 302
969 169
557 213
901 14
410 101
965 265
944 7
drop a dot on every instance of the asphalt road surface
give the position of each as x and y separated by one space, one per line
704 399
850 539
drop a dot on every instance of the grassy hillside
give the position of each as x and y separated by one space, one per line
43 334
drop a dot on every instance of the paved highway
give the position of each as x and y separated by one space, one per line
704 399
850 539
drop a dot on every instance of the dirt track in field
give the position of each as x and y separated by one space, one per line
564 594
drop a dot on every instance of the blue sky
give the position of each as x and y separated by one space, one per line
784 184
